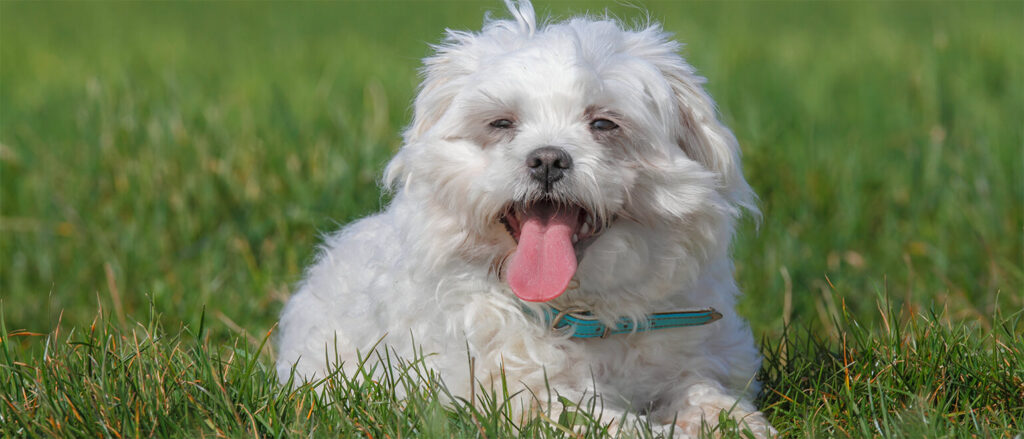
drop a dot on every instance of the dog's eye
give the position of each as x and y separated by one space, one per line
603 125
503 124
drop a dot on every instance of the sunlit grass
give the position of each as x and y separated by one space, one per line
911 376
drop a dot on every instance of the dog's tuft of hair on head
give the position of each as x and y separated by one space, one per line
523 12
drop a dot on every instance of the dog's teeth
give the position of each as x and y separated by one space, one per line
585 229
575 238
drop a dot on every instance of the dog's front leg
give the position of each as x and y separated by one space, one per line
559 391
694 407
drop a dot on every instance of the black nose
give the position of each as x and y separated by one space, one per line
548 164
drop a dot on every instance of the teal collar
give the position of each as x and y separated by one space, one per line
582 324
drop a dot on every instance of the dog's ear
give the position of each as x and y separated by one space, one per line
441 73
443 76
701 135
457 57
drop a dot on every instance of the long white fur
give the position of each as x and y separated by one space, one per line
428 268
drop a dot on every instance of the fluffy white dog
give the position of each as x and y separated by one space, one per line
559 186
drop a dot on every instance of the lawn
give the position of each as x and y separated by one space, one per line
167 169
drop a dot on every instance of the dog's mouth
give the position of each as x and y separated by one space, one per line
550 237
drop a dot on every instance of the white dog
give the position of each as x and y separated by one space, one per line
559 187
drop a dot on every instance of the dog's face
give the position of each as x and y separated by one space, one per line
579 151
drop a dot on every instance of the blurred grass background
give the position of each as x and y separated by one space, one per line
191 154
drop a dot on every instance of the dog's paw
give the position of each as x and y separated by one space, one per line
700 423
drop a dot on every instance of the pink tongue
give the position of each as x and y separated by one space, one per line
544 261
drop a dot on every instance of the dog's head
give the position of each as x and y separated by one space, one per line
577 149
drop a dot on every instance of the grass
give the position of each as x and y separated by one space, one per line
904 378
166 170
